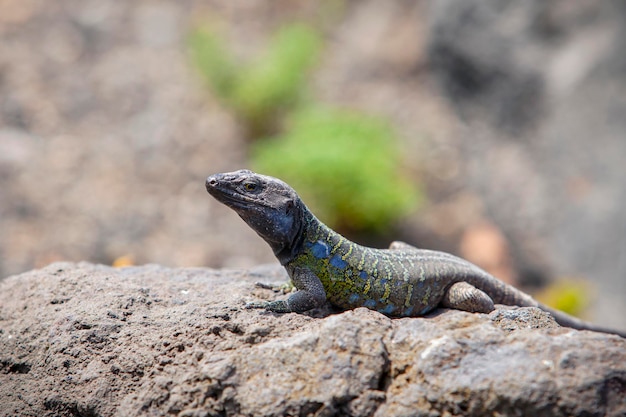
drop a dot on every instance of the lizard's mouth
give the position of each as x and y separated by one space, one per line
225 195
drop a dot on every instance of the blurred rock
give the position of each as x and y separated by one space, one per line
540 87
106 136
483 244
83 339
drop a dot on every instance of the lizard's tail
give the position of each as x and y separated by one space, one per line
566 320
502 293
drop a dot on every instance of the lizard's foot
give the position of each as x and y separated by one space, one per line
311 295
252 305
284 288
278 306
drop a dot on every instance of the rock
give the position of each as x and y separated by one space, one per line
83 339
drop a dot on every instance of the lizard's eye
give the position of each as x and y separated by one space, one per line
250 186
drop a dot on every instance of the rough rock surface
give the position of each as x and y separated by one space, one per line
90 340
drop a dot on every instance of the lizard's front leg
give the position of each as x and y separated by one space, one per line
310 294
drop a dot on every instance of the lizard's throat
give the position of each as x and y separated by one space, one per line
287 250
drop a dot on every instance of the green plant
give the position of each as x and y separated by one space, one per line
260 91
344 164
568 295
214 62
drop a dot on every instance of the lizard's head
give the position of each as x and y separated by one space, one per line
268 205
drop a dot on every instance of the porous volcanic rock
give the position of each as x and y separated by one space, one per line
91 340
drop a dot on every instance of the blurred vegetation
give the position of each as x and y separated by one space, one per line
570 296
344 163
259 92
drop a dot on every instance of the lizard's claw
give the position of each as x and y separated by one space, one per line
285 288
265 285
251 305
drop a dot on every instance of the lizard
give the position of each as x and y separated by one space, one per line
324 266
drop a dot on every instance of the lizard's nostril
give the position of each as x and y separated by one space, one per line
211 182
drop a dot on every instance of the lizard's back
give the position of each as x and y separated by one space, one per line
406 282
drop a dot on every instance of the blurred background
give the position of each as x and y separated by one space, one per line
491 129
